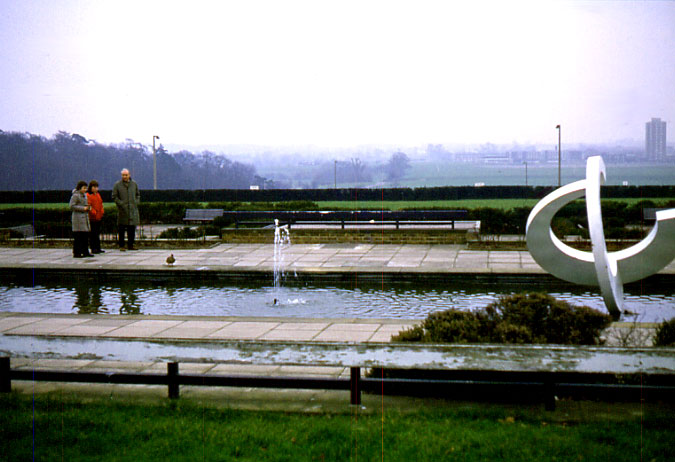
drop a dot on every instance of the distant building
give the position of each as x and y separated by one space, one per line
655 139
573 156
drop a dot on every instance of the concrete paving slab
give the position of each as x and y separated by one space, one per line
85 331
372 258
141 329
440 256
244 369
183 368
243 330
385 332
313 257
470 262
403 264
355 326
502 257
369 264
247 263
306 264
380 337
18 363
312 370
46 326
124 366
180 332
395 328
47 364
302 326
335 263
297 335
9 323
343 336
435 264
108 322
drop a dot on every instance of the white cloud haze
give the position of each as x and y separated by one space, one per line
337 73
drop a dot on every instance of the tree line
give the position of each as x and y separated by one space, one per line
35 163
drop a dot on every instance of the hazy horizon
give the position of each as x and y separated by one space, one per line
338 75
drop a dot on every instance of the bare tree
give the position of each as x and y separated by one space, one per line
397 166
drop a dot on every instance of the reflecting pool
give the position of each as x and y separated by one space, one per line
356 296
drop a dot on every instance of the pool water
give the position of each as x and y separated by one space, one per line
356 297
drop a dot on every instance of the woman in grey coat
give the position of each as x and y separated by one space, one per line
78 204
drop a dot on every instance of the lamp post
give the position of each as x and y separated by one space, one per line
335 175
559 182
154 162
525 172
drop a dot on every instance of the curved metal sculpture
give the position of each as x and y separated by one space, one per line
608 270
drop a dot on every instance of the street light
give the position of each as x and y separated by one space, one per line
559 182
154 162
525 172
335 175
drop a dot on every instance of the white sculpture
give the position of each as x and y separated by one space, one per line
609 270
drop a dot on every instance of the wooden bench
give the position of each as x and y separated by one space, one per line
202 215
524 373
395 218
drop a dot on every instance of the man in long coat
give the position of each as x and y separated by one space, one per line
127 197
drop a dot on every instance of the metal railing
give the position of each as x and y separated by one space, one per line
470 385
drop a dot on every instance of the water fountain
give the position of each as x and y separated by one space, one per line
282 239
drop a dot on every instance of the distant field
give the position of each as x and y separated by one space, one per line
432 174
504 204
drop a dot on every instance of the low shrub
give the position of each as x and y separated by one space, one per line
13 234
180 233
665 334
513 319
211 230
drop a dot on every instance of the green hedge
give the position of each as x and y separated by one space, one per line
571 219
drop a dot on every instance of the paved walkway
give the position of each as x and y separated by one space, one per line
200 328
301 257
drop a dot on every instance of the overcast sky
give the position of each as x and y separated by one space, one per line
339 73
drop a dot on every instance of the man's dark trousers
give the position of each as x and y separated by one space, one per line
131 235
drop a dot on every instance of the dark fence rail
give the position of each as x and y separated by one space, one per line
388 194
518 387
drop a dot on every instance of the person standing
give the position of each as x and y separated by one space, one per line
127 197
80 218
95 216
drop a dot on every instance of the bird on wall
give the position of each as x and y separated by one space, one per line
170 260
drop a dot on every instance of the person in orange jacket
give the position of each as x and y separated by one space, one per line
95 216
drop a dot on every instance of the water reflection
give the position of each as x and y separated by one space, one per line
130 301
88 300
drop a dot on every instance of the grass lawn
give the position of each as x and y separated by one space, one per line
51 427
504 204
